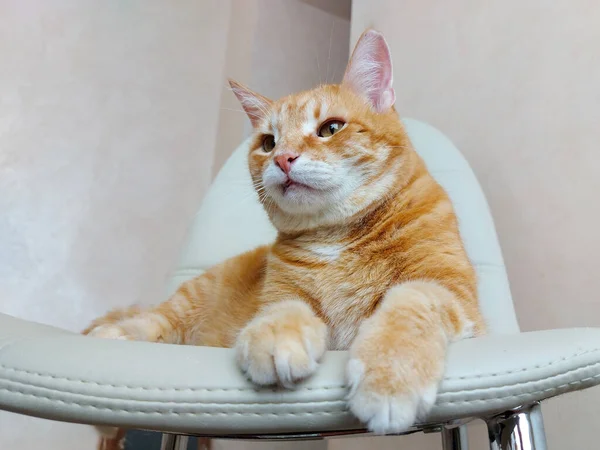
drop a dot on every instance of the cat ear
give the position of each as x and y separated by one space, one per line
256 106
369 72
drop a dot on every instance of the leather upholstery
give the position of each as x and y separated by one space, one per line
54 374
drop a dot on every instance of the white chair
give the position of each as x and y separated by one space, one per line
179 390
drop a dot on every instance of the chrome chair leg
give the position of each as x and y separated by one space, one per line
455 438
522 429
174 442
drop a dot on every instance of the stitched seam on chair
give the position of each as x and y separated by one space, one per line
447 402
525 369
22 387
526 394
137 410
304 413
522 383
443 394
142 388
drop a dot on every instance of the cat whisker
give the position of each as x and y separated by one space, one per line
246 183
242 111
251 192
263 109
256 104
243 199
233 109
319 69
329 53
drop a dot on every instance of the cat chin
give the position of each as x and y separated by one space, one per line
294 218
317 210
300 200
301 206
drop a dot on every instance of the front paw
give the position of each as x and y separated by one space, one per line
385 400
282 345
110 331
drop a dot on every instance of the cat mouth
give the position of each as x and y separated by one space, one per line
291 185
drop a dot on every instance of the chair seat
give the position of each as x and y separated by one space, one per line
55 374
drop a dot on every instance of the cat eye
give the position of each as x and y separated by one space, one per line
330 127
268 143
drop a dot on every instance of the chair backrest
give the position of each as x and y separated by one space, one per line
231 221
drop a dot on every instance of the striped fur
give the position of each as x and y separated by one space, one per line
368 257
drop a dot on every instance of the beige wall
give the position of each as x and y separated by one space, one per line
516 85
114 116
107 133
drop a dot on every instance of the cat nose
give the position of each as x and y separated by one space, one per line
284 161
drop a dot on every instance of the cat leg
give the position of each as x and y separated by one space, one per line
111 438
135 323
207 310
397 359
282 344
166 322
112 318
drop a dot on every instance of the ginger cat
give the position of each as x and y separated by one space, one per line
368 255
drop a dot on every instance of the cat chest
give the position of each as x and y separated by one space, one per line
345 292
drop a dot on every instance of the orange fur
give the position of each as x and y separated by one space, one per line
111 439
378 267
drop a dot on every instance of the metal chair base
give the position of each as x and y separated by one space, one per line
520 429
174 442
455 438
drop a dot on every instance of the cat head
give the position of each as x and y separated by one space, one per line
320 157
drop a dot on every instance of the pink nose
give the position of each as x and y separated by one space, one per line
285 160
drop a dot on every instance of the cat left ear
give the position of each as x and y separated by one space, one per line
369 73
256 106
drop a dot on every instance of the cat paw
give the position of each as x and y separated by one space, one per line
149 327
383 403
282 345
110 332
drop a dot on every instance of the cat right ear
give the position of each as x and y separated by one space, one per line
257 107
369 73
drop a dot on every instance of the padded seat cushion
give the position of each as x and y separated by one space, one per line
54 374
